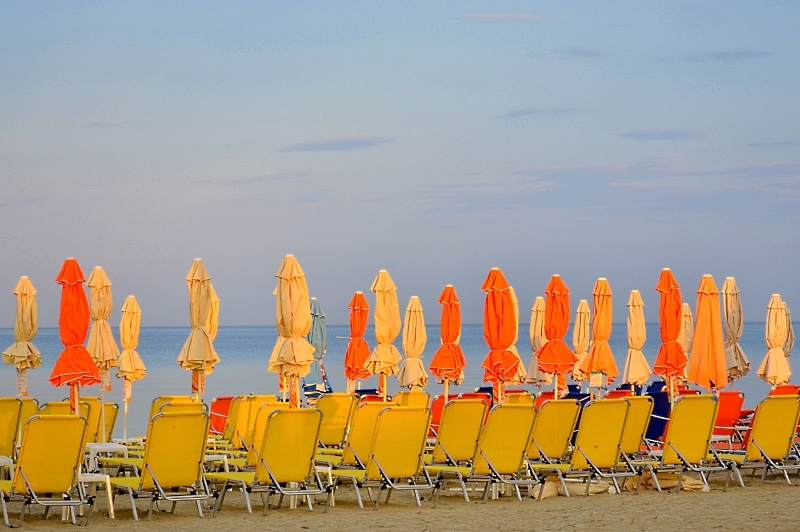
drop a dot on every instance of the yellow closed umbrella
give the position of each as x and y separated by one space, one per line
412 371
385 357
580 339
198 354
130 366
686 336
22 353
101 345
775 367
637 370
735 359
538 339
292 355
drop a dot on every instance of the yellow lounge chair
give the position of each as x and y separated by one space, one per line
10 409
412 398
30 407
359 438
771 440
499 456
47 467
62 408
520 398
112 410
552 431
246 417
286 457
254 440
639 410
459 432
337 413
94 419
172 467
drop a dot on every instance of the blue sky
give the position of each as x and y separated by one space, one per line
588 139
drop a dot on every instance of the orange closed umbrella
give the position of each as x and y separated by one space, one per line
357 353
708 367
74 367
600 358
671 360
554 356
448 363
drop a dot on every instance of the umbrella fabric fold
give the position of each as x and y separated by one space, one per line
554 356
637 370
292 355
357 352
789 344
707 368
448 363
22 353
775 367
411 372
101 345
600 358
735 360
74 366
671 359
130 367
686 337
315 383
580 339
385 358
538 339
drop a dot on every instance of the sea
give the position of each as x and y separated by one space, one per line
245 351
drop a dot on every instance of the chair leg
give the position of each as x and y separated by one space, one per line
519 495
487 491
150 509
680 482
416 497
388 494
199 507
310 506
763 476
786 476
377 501
5 513
358 494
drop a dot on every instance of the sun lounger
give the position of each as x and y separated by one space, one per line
253 440
220 406
412 398
552 430
728 413
659 417
437 405
639 410
460 430
10 409
337 413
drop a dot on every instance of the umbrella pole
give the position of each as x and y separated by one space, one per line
382 385
103 412
446 389
296 380
125 420
75 399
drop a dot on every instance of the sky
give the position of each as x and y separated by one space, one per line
432 139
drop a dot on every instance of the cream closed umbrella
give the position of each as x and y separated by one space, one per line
22 353
580 338
292 355
101 345
538 339
385 357
130 366
686 336
521 373
412 371
789 344
735 359
775 367
637 370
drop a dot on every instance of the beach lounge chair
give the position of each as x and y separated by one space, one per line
252 440
47 467
172 467
337 413
770 440
619 393
460 430
659 417
285 460
785 389
395 455
499 456
62 409
112 411
520 398
10 409
728 413
220 406
412 398
94 419
639 410
437 405
552 430
246 417
597 451
30 407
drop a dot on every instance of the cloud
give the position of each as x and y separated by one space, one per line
508 16
285 176
727 57
582 53
776 144
516 113
771 168
340 144
111 124
24 200
312 197
661 134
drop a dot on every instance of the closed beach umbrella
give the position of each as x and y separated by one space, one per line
22 353
671 359
198 354
789 344
357 353
707 367
554 356
521 373
448 363
600 358
385 357
315 383
130 367
101 346
775 367
538 339
74 367
686 336
735 360
292 355
212 326
637 370
411 372
580 339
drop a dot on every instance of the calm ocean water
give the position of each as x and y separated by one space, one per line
245 351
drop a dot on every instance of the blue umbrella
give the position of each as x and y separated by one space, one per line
316 383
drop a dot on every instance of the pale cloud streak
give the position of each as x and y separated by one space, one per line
519 113
340 144
661 134
508 16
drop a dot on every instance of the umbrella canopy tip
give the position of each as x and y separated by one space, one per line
556 275
314 298
602 279
289 255
70 258
665 270
197 258
359 292
448 286
24 277
729 279
632 291
707 275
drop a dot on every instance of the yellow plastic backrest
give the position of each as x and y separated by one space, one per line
289 444
62 409
412 398
520 399
505 437
641 406
174 450
10 408
94 419
459 430
30 407
337 412
112 409
170 408
553 428
256 438
155 406
774 427
600 433
690 427
52 447
398 442
233 416
359 439
246 416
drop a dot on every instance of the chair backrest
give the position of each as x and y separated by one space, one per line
415 397
10 408
52 448
520 398
288 447
785 389
688 391
174 450
62 409
337 413
30 407
171 408
94 419
155 406
476 395
690 428
219 413
233 417
460 430
373 398
547 395
398 442
246 416
641 406
112 410
504 439
600 434
728 412
552 430
359 438
619 393
660 415
773 428
254 439
437 405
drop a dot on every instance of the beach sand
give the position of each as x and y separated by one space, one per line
771 507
